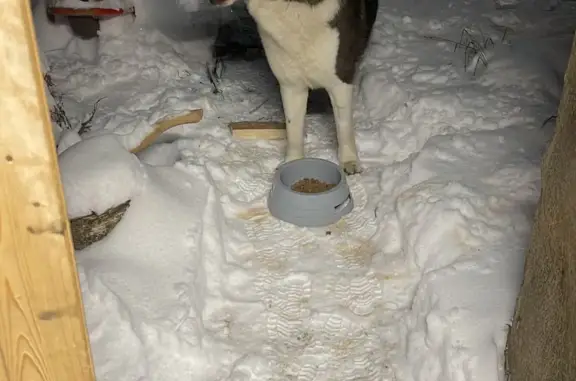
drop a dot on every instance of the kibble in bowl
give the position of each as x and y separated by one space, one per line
309 192
309 185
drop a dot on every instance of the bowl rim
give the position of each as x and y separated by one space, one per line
278 181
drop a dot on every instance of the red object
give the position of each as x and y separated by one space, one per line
95 12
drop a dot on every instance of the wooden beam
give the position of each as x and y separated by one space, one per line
42 326
542 339
164 125
258 130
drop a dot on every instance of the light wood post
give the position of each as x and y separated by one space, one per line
542 340
42 327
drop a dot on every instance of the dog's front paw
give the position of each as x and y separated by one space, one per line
348 158
351 167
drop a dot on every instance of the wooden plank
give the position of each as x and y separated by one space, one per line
164 125
542 339
258 130
42 326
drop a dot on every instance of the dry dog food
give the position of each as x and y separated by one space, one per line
311 186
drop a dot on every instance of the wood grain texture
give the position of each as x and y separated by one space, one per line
164 125
42 327
258 130
542 339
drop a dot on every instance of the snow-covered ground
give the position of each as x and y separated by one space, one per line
199 282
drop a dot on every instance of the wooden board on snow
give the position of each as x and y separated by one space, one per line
258 130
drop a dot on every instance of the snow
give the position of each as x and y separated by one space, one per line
98 174
417 283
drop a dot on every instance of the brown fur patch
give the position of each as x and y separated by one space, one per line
354 22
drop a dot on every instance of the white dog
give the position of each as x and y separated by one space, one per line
312 44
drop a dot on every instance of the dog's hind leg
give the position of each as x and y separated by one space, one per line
341 96
294 101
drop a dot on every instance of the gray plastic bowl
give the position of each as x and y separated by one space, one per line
309 209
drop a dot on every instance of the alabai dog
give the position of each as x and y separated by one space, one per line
315 44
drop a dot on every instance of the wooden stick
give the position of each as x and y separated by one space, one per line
162 126
42 326
258 130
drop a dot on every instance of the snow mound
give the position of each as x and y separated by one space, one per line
99 174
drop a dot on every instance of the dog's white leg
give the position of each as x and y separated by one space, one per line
294 100
341 96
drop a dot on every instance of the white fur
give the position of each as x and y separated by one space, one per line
301 49
299 44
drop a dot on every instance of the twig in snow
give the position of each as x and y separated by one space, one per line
87 124
214 73
474 51
48 80
215 89
471 50
506 365
218 69
549 119
506 29
474 48
502 29
57 113
259 106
